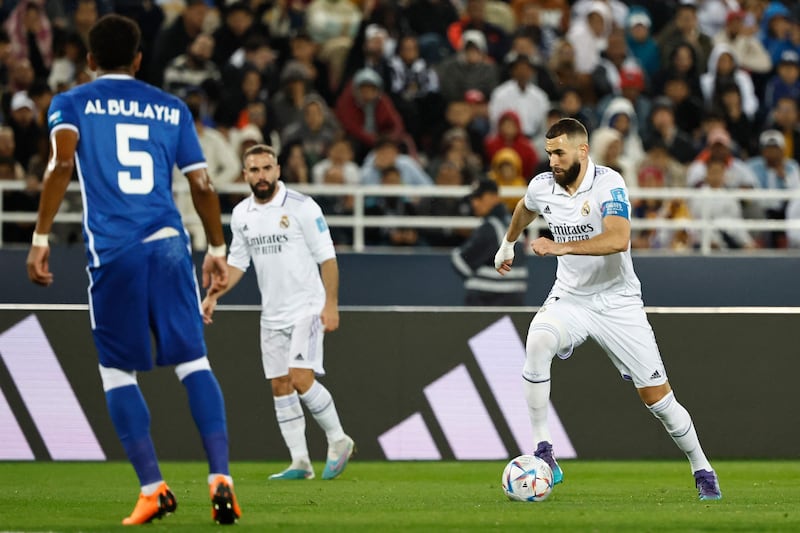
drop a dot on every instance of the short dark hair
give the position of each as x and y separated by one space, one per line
567 126
114 41
259 149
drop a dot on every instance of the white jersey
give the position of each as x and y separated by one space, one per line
286 238
580 217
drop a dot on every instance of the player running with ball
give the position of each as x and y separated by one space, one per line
596 293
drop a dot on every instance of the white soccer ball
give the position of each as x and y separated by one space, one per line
527 479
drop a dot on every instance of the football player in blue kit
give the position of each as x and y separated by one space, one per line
123 137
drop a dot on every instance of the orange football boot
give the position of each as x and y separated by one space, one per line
224 508
160 503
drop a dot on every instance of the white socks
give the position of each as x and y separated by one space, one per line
538 397
292 422
679 425
151 488
320 404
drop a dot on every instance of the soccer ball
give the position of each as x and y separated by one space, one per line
527 479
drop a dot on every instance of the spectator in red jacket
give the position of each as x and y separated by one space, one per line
366 113
509 135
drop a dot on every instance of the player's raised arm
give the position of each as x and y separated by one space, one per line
520 220
56 179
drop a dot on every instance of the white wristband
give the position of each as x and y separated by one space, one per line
507 243
217 251
40 239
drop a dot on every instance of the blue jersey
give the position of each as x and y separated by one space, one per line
130 136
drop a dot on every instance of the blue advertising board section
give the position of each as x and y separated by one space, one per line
422 278
415 384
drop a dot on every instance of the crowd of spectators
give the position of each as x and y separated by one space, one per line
674 93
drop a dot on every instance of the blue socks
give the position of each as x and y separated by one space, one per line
131 419
208 411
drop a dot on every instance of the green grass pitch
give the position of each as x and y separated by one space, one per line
416 496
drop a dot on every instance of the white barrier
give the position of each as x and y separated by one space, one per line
359 220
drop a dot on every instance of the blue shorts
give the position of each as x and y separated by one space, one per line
151 288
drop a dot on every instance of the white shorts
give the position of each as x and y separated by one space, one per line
298 346
618 324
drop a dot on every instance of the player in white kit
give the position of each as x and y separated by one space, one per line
596 293
285 235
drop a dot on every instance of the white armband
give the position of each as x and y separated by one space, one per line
217 251
40 239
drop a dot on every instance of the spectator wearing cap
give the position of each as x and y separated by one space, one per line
749 50
641 43
664 130
474 260
26 131
521 95
474 18
685 28
723 69
469 69
287 103
366 113
786 80
369 51
589 35
777 30
775 172
304 50
738 174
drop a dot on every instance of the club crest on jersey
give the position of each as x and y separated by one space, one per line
284 223
585 209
